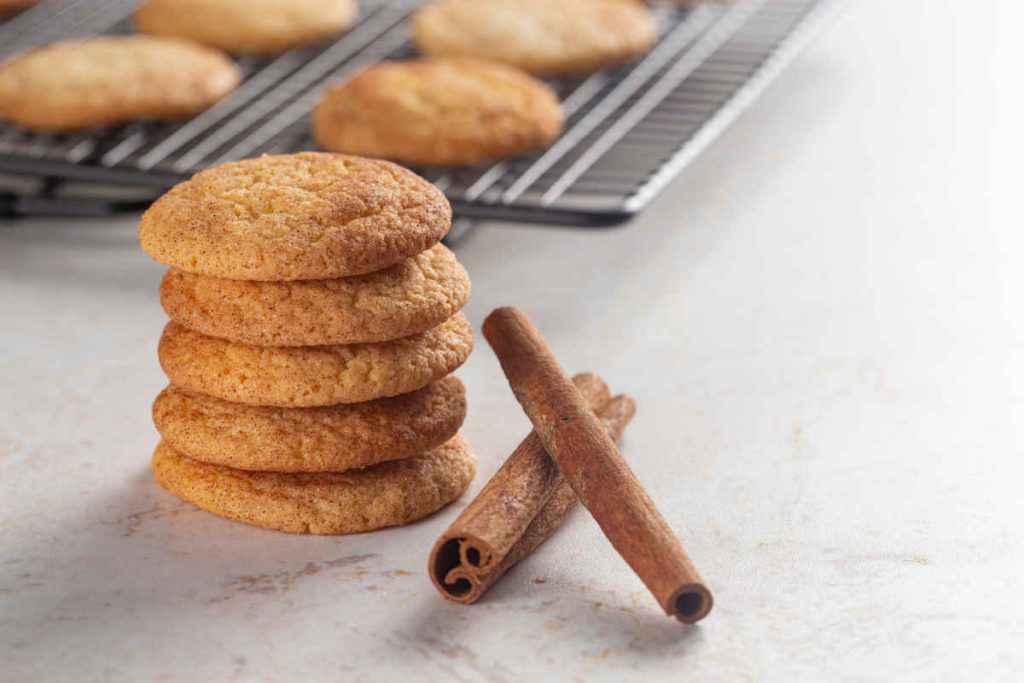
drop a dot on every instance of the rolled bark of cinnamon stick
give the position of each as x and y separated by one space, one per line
592 465
519 508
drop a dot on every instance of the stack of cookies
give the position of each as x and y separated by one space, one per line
314 325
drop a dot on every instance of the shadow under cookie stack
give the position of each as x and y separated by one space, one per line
314 326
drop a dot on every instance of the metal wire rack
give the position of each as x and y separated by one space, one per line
628 130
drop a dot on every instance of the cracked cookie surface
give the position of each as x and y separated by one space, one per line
78 84
256 27
542 37
438 111
384 495
312 375
327 439
303 216
408 298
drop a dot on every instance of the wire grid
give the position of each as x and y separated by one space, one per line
628 130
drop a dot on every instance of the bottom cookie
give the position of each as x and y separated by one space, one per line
384 495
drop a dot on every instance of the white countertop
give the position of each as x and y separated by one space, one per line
821 322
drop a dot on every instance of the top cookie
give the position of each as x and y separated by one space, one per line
540 36
247 26
438 111
104 81
295 217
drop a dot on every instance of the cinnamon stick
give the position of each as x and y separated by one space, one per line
519 508
592 465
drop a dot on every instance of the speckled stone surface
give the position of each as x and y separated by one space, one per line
820 321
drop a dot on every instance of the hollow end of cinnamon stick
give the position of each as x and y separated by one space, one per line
456 565
690 603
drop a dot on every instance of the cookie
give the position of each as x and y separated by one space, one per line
328 439
405 299
384 495
257 27
105 81
542 37
307 216
449 112
297 376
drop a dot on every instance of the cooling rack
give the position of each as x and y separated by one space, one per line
628 130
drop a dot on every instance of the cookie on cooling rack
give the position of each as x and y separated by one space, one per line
438 111
79 84
568 37
384 495
257 27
